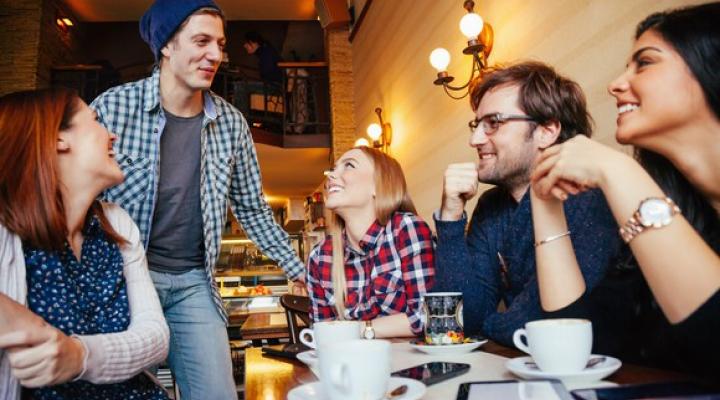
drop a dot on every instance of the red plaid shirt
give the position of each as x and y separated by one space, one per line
394 268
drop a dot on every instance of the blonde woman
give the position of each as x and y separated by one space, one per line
377 260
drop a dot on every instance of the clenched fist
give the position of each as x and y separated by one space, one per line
460 184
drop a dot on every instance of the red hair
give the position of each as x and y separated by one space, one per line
30 202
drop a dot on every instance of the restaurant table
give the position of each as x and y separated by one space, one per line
268 326
270 378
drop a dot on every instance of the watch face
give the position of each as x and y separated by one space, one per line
655 212
369 333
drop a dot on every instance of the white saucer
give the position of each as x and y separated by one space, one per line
595 373
446 349
313 390
309 358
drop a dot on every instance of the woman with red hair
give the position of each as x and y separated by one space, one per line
79 316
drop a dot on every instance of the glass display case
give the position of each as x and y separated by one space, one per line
248 280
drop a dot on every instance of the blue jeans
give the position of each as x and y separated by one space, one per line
199 349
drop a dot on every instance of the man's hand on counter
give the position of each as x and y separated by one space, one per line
298 288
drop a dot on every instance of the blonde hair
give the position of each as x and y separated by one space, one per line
391 195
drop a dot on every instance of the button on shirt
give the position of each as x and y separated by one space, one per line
388 275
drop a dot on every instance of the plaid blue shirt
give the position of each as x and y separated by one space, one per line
228 171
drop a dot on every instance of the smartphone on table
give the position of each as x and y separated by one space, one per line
546 389
433 372
290 350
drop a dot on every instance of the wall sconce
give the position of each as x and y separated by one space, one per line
64 22
380 134
480 42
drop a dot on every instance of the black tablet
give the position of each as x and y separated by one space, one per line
548 389
666 390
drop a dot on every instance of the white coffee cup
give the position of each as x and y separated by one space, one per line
355 370
557 345
329 332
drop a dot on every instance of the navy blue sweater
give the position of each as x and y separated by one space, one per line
500 225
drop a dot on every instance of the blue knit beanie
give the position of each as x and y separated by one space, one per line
164 17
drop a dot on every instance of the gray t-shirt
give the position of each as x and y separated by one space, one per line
176 238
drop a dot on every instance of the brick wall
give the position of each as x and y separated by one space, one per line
57 46
31 43
342 107
19 43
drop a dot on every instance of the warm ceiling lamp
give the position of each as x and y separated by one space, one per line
380 134
480 41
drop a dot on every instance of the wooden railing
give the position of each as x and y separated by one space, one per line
294 113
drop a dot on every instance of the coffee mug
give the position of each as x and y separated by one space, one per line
355 370
443 318
329 332
557 345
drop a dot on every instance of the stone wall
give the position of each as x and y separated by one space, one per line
31 43
19 43
342 108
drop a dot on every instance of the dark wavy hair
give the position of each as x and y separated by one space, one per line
543 94
694 33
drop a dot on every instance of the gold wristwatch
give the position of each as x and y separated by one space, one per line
653 212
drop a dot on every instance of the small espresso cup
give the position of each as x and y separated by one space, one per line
443 318
323 333
355 370
557 345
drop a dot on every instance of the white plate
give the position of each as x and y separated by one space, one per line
444 349
313 390
517 366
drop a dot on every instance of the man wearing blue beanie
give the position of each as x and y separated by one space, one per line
187 154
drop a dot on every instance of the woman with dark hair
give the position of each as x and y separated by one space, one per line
93 320
661 307
378 260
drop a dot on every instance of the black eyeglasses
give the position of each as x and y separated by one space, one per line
490 123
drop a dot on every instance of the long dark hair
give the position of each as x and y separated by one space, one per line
694 32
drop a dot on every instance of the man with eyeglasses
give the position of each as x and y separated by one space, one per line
519 110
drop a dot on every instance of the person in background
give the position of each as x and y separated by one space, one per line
268 57
270 84
79 316
661 307
377 260
520 110
187 155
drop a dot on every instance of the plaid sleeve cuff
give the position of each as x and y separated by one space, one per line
414 316
295 270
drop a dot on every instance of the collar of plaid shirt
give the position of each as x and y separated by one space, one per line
367 242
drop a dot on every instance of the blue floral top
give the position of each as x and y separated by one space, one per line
84 297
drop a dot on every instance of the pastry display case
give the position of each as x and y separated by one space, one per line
248 280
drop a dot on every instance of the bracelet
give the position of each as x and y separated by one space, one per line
85 358
551 238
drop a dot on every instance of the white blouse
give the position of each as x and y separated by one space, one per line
111 357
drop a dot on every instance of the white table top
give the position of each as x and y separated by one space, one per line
483 367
